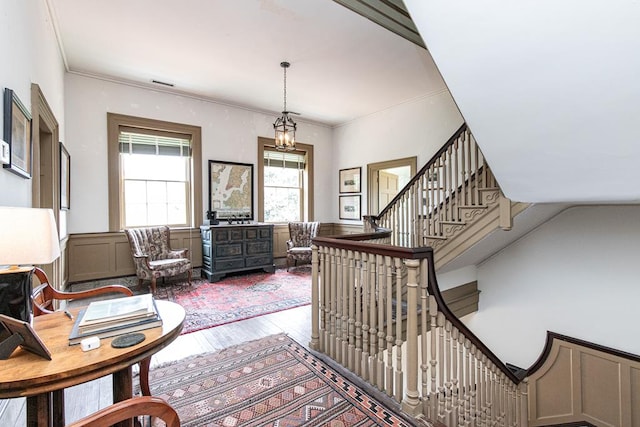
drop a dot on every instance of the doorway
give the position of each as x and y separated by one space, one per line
386 179
45 186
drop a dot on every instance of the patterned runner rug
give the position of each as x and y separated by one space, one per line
272 381
234 298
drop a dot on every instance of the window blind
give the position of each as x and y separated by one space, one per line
284 160
154 144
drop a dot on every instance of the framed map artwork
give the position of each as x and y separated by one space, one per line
231 190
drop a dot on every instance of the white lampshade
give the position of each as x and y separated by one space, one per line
28 236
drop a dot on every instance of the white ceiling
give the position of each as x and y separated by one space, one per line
549 88
343 66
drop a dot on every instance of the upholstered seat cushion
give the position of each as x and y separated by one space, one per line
300 251
171 266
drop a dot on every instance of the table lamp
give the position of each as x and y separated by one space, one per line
27 236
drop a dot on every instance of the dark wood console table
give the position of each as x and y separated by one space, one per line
229 248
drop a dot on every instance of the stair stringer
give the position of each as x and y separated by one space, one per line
472 233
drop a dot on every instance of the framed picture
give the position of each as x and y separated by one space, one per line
17 133
350 207
231 190
350 180
65 178
22 334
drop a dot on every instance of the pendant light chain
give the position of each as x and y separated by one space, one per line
285 85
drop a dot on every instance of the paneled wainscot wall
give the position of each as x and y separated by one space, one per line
94 256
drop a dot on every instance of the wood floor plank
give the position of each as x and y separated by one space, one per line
89 397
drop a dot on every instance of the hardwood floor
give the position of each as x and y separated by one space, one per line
86 398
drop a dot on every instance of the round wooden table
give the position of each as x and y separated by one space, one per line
25 374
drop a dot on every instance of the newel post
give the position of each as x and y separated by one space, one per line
411 401
314 344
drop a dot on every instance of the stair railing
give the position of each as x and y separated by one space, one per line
377 310
454 178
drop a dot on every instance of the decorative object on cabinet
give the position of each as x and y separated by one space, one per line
350 207
17 133
299 244
239 247
350 180
29 236
65 178
231 190
153 256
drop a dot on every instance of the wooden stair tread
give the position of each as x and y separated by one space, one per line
428 236
473 207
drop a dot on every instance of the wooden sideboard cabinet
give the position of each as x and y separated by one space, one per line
237 247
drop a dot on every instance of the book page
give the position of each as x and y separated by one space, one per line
118 308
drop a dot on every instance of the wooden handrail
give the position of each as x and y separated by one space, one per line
551 336
353 242
434 290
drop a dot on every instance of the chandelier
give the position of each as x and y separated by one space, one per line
284 126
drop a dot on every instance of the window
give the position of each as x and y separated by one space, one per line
154 173
284 183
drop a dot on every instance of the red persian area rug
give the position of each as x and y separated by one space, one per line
234 298
273 381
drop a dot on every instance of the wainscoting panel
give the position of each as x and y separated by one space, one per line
102 255
581 382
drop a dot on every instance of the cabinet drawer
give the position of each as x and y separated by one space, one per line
258 247
251 233
257 261
228 250
227 235
264 233
228 264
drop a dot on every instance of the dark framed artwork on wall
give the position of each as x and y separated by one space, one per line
231 190
350 207
65 178
17 133
350 180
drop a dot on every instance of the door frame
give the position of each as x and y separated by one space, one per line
372 178
45 180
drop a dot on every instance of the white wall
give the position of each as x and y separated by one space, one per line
577 275
416 128
29 55
228 133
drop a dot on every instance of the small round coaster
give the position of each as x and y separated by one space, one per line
127 340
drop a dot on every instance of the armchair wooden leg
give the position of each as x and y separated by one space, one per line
189 277
153 285
144 376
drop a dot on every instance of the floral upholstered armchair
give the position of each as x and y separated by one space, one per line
299 245
153 256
